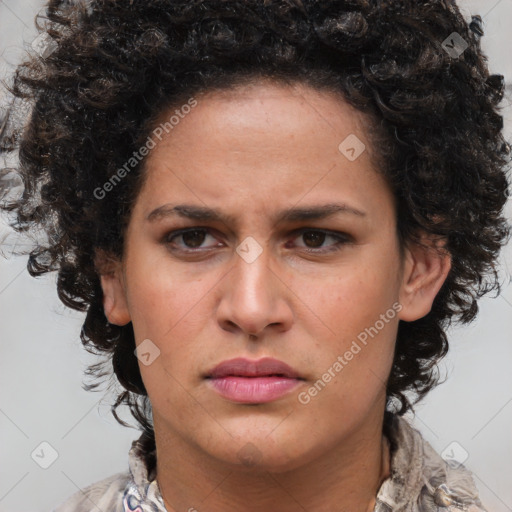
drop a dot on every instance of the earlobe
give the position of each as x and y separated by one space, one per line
426 268
114 291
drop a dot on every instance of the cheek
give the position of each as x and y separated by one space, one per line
360 309
355 299
165 300
170 309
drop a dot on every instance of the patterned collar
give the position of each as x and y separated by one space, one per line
420 480
142 494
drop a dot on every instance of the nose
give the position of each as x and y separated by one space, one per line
254 299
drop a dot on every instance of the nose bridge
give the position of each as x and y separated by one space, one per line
252 284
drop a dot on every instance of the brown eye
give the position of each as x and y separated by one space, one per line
314 239
191 239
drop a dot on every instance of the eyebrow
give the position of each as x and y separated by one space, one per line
202 213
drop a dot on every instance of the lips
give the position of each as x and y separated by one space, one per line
253 382
266 367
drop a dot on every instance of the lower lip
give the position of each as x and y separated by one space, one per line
253 390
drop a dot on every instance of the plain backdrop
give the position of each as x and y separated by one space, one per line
42 360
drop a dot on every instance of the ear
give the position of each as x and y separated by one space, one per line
426 267
115 304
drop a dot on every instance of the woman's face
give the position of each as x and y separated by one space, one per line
250 172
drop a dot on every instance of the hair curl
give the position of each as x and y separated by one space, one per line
117 64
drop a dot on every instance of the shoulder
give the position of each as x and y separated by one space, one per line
421 480
105 495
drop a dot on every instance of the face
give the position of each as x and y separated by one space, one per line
300 263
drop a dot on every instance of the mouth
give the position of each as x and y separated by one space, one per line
240 367
247 381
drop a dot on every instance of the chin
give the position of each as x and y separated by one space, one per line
256 454
251 460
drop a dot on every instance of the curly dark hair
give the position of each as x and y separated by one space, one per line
116 65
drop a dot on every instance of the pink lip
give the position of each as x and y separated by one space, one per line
246 381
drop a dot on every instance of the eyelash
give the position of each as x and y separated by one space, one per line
343 239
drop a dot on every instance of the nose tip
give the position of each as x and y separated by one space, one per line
252 300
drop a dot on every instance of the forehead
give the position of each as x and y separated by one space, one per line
262 143
292 109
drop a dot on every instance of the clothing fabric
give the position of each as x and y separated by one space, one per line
420 480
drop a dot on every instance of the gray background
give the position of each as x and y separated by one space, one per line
42 360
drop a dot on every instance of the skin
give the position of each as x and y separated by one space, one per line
251 152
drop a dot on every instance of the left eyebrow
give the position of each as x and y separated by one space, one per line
202 213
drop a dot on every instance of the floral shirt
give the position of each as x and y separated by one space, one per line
420 481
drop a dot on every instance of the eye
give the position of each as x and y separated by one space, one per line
314 238
192 238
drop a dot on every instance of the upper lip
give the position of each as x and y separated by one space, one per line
242 367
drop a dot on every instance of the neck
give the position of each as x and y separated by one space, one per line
347 477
